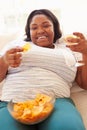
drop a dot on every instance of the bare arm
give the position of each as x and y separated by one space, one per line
81 77
3 68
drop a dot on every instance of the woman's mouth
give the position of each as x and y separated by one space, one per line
42 38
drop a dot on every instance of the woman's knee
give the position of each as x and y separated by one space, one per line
68 122
64 117
8 123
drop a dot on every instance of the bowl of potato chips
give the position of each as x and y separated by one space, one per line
34 110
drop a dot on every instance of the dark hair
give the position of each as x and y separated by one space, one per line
51 16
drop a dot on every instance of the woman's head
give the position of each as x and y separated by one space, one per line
42 27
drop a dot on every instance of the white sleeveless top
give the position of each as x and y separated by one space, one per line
41 68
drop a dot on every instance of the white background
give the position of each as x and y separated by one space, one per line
71 13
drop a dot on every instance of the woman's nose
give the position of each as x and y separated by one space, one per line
40 30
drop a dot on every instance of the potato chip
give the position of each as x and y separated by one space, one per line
26 47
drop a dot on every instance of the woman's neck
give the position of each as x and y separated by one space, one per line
51 46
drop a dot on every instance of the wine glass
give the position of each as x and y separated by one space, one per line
78 57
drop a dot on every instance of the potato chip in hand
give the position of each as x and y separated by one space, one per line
26 47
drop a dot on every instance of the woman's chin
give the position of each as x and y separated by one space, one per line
43 43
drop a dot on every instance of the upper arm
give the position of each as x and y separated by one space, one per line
78 76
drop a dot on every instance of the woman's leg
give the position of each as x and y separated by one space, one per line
64 117
8 123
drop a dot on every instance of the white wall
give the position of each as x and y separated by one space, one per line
74 16
73 12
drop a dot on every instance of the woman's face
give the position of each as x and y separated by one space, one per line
42 31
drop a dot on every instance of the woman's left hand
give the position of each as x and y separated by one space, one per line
81 45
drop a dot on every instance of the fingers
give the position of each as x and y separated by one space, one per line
76 48
78 34
15 63
80 47
13 57
78 43
76 38
14 50
73 40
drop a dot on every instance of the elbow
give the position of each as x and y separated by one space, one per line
1 79
83 86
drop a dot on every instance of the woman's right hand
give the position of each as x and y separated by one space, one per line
13 57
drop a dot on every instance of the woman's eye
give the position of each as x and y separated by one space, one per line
46 26
33 28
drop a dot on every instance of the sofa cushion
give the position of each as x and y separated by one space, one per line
79 97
